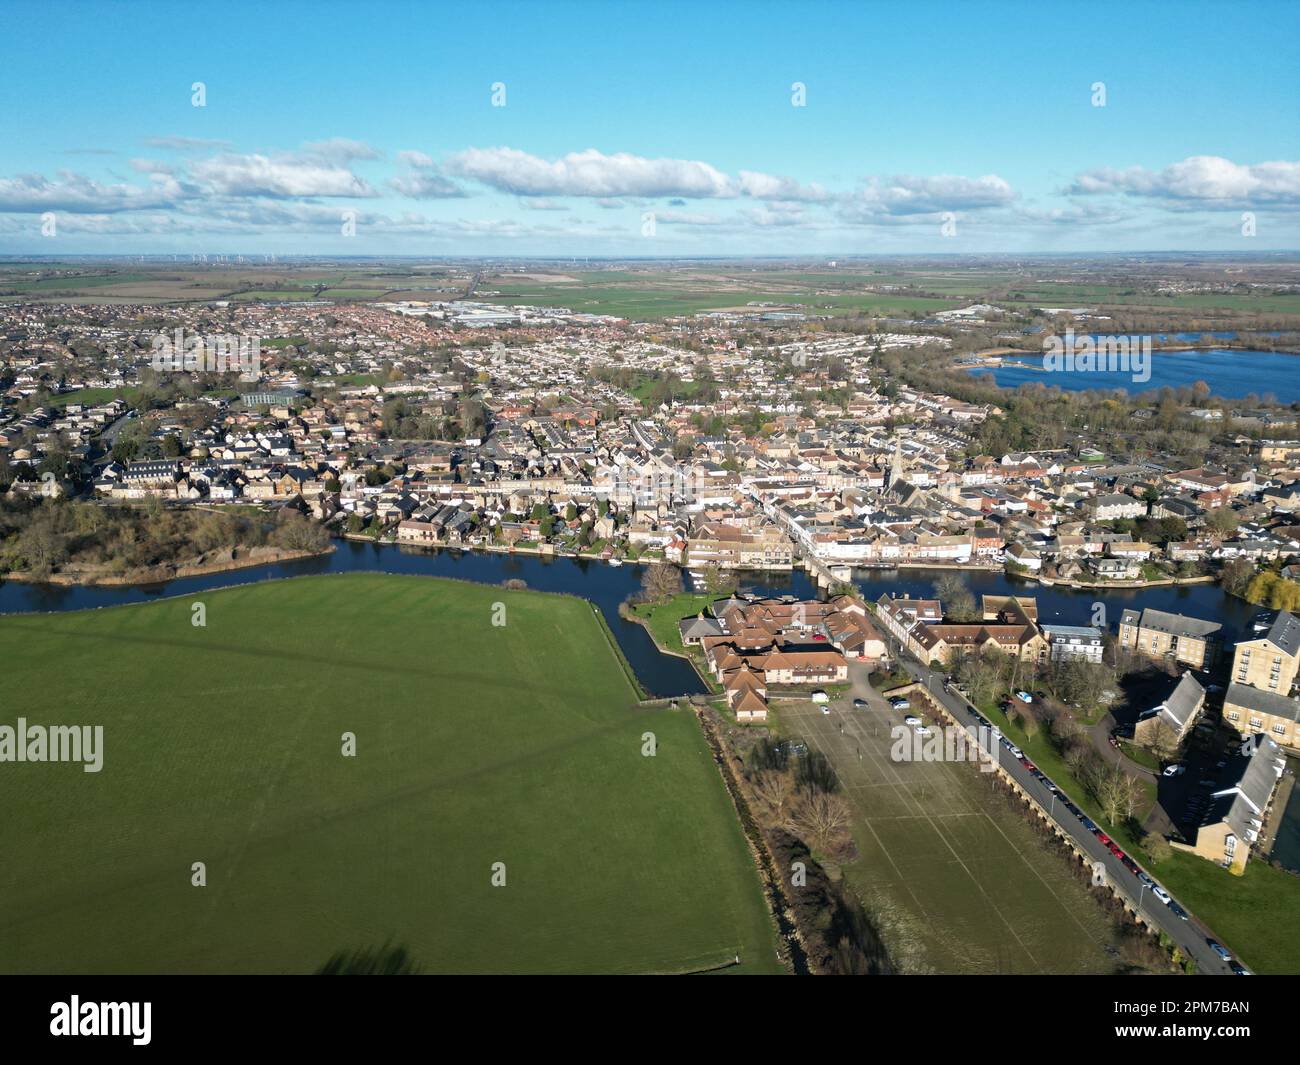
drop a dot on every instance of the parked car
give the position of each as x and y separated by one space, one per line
911 719
921 730
1161 894
1219 949
859 704
899 703
1238 969
826 710
1174 770
1024 697
1178 911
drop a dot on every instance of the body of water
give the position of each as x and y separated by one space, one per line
607 586
1230 374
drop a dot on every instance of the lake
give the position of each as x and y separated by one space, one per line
608 586
1230 374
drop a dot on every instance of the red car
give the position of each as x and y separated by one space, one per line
1114 849
1105 839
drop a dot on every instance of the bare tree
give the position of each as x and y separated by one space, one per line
661 581
823 819
774 790
1116 792
1162 738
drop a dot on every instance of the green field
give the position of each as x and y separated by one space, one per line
476 744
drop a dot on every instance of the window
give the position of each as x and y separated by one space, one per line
1280 729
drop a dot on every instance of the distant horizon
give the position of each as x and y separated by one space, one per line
255 258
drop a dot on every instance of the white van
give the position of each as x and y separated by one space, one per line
820 697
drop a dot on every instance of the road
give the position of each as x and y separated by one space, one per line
1190 935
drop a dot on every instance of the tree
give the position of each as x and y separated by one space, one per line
1156 847
822 820
1221 521
958 600
125 449
1115 791
716 581
1163 739
982 673
1236 576
774 790
661 582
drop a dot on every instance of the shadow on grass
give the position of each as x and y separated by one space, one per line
369 961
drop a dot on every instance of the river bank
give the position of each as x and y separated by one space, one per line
238 559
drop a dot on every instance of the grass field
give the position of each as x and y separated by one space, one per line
956 878
476 744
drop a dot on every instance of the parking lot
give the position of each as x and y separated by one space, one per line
958 878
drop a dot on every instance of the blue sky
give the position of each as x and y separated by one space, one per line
648 129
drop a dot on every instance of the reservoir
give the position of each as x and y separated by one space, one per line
1231 374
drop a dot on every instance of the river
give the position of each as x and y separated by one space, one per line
607 586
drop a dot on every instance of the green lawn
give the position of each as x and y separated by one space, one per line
476 744
1254 913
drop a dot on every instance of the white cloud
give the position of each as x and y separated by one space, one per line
594 174
588 173
767 187
75 193
1199 178
286 176
416 159
911 194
